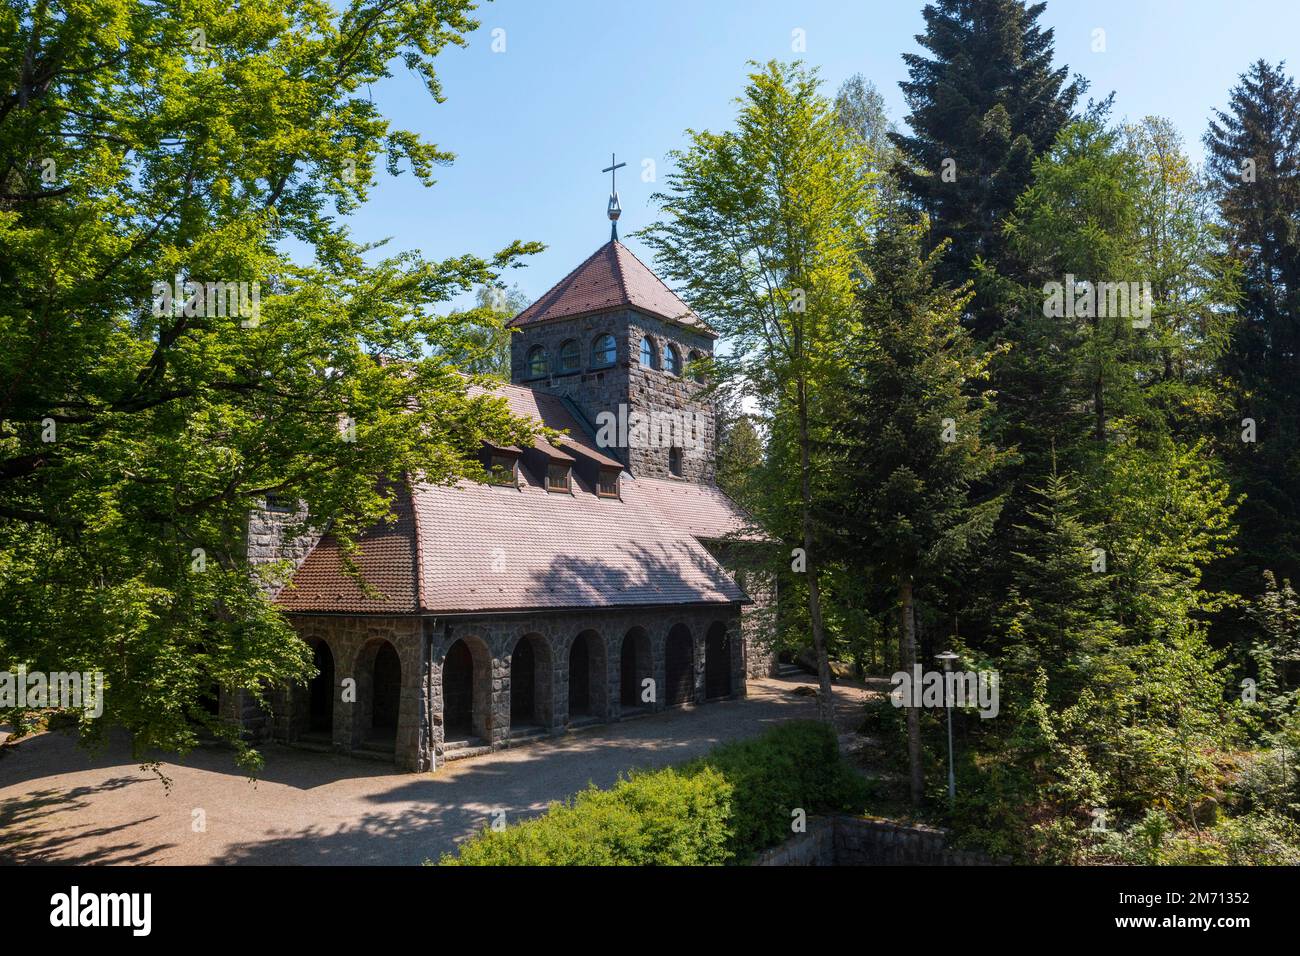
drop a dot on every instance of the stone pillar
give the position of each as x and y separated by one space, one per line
498 723
613 676
658 644
345 713
697 664
739 664
555 716
411 727
436 735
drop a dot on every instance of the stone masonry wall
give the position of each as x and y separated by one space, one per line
758 624
649 391
492 641
422 646
268 535
842 840
351 641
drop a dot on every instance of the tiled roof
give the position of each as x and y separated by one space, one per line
385 559
553 412
490 548
495 548
700 510
612 277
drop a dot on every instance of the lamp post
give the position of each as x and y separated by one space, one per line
947 658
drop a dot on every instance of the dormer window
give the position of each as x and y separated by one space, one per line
570 356
649 354
673 361
503 470
675 462
603 351
536 361
557 476
607 483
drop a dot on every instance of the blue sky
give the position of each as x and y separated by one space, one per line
533 126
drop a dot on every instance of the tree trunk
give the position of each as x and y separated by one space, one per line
825 699
907 655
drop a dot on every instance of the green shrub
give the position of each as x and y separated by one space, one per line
793 766
663 818
722 808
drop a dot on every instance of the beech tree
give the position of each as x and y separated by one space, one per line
155 148
761 231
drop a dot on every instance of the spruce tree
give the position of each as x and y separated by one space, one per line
984 104
1254 158
1058 612
906 427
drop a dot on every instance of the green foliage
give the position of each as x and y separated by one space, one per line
1275 649
988 101
1253 839
136 438
793 766
762 229
483 345
739 450
1253 158
1058 614
665 818
722 808
906 419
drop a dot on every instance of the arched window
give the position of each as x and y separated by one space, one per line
649 355
570 358
673 361
537 360
603 351
697 366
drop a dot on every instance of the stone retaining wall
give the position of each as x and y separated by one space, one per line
862 841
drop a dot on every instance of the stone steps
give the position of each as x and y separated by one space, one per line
461 749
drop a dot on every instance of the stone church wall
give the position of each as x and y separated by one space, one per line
268 534
422 646
648 391
494 638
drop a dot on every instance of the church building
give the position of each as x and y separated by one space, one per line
592 580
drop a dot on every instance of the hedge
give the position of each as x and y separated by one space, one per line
721 808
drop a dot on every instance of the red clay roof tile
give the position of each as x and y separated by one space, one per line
611 278
494 548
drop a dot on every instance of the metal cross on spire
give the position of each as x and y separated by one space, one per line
615 210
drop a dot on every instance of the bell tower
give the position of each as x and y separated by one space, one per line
628 355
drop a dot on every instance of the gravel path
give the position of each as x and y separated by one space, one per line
61 805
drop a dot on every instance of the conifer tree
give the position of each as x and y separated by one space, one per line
906 434
1254 159
1058 615
984 104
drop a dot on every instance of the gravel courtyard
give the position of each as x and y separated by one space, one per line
60 805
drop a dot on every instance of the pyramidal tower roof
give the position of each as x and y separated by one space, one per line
610 278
